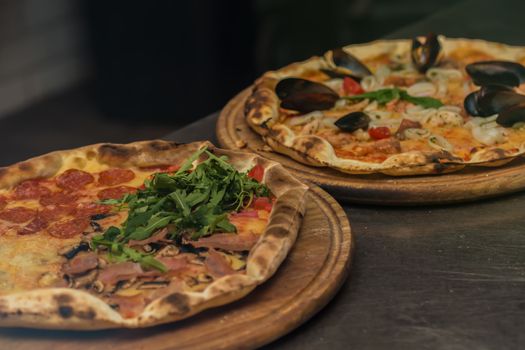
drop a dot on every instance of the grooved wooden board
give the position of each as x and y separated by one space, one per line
465 185
309 277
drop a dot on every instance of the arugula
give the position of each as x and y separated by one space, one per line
192 202
383 96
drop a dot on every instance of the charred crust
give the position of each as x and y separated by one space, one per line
162 146
65 311
25 166
88 314
63 298
278 231
261 261
115 151
178 302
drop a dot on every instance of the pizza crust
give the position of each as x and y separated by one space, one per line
66 308
262 114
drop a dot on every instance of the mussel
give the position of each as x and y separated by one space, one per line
511 115
491 99
304 95
348 65
353 121
504 73
425 53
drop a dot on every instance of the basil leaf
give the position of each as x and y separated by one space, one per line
383 96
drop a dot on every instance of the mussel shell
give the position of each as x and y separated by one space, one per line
511 115
347 61
339 75
505 73
304 95
425 54
471 103
493 99
353 121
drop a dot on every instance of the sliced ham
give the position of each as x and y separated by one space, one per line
156 237
227 241
119 272
217 264
81 263
406 124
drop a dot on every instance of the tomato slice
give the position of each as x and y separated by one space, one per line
257 173
352 87
262 203
380 132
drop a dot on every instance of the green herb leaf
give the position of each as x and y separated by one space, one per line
195 200
383 96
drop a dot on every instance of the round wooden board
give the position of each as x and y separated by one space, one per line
466 185
309 277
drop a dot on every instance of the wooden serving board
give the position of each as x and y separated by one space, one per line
309 277
466 185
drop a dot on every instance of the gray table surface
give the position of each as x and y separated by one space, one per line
450 277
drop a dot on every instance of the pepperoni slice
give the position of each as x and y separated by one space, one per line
57 198
74 179
54 212
17 214
115 192
36 225
116 176
3 202
30 189
68 229
90 209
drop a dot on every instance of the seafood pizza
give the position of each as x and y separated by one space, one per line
400 107
140 234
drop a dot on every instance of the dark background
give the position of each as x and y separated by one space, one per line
158 65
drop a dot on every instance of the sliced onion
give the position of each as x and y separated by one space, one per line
416 134
423 88
440 143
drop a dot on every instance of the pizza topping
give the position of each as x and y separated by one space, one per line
81 263
91 210
512 115
349 64
58 198
383 96
192 203
54 212
17 215
70 228
74 179
3 202
424 53
30 189
305 95
505 73
353 121
36 225
380 132
217 264
158 236
406 124
227 241
115 192
123 271
262 203
387 146
115 176
440 143
257 173
351 87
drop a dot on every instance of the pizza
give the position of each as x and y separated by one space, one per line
135 235
430 105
